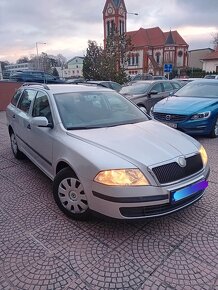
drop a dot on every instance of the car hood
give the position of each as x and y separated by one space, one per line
179 105
147 142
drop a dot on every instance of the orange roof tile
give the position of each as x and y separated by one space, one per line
153 37
211 56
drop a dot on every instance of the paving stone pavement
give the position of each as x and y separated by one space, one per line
42 249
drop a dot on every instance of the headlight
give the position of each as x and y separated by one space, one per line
203 115
122 177
203 153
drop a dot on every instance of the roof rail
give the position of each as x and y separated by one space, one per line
36 84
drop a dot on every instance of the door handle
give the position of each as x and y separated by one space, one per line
28 126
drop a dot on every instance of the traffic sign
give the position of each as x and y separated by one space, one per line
168 67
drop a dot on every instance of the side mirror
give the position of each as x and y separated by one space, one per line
41 122
153 92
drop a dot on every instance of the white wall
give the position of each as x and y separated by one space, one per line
210 65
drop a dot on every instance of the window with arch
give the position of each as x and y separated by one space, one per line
180 53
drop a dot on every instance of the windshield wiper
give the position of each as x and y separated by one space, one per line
84 127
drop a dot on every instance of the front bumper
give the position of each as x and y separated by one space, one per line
144 202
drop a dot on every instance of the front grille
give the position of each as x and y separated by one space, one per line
173 171
162 209
169 117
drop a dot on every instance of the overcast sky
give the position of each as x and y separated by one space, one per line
67 25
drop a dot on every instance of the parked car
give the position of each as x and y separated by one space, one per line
35 76
193 109
107 84
75 81
103 153
147 76
159 78
211 77
146 93
143 76
185 81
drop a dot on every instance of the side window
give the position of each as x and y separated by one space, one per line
15 98
41 107
176 86
26 100
115 86
158 88
167 86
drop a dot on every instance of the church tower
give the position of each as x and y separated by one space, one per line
114 17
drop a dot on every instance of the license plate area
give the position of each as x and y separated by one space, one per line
187 192
172 125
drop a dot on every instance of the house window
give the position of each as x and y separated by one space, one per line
180 53
158 57
217 69
137 59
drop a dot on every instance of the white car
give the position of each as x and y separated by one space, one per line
103 153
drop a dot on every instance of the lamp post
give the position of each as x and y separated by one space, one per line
37 52
133 13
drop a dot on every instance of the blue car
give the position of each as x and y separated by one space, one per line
193 109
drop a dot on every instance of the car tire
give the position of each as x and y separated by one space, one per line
214 132
14 146
69 195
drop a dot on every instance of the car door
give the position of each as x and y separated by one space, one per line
159 94
22 118
40 139
12 110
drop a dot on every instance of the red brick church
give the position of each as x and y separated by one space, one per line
152 48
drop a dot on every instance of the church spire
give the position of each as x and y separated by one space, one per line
114 17
170 40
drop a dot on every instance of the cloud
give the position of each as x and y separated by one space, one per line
67 25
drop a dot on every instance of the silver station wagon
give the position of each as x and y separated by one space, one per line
103 153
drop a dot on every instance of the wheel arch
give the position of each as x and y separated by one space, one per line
63 164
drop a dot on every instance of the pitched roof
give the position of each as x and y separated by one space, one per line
211 56
153 37
169 39
178 40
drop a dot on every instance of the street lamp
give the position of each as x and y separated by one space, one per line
37 52
133 13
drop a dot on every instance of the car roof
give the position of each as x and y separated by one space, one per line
65 88
148 81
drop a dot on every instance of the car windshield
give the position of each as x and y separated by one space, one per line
135 89
199 90
85 110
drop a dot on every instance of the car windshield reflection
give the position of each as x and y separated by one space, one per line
88 110
199 90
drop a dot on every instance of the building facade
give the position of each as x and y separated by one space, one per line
210 62
152 48
73 69
196 56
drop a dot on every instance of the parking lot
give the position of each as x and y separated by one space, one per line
40 248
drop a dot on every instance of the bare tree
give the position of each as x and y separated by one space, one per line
215 40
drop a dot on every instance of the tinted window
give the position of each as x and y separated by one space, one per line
96 109
41 107
167 86
135 89
16 98
176 85
115 86
157 87
26 100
